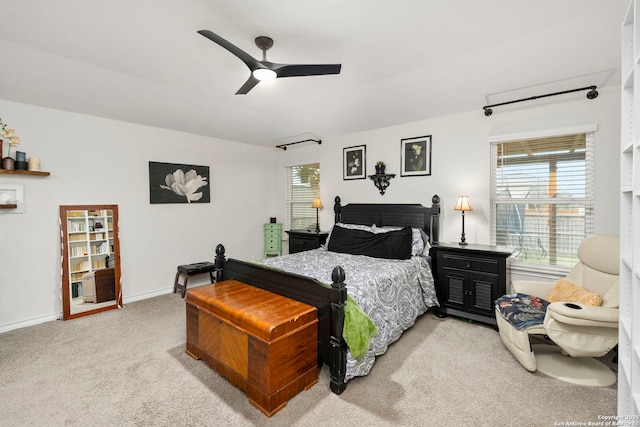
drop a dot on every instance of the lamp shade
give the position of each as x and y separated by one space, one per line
317 203
463 204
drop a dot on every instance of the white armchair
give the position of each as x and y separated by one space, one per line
581 332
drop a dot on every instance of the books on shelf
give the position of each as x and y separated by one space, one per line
80 266
75 226
76 251
98 263
76 277
102 248
97 236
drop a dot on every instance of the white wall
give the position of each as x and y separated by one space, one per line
96 161
461 160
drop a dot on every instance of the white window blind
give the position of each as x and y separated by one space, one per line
542 197
302 185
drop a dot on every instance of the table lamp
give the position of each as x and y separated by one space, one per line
463 205
317 204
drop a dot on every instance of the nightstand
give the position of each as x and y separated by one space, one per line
469 279
272 239
304 240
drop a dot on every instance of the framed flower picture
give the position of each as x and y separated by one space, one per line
178 183
415 156
354 162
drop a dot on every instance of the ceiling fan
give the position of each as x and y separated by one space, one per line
265 70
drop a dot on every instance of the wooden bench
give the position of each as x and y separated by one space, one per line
191 270
263 343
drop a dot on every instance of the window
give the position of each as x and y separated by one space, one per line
542 197
302 185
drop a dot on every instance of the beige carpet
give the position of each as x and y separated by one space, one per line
128 367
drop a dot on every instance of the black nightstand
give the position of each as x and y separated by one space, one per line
304 240
469 279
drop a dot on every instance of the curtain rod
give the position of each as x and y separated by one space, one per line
592 94
284 146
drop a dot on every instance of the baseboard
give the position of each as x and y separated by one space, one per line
57 316
147 295
30 322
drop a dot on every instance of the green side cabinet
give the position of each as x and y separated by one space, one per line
272 239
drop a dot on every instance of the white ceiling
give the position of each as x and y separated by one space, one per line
142 61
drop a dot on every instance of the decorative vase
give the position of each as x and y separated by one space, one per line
8 163
380 169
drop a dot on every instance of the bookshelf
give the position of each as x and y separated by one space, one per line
89 242
629 328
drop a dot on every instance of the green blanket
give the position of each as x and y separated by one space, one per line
358 329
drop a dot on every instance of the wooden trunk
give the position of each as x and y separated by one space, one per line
262 342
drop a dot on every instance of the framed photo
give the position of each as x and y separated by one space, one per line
354 162
178 183
415 156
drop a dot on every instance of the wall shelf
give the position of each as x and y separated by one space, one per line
382 181
8 206
22 172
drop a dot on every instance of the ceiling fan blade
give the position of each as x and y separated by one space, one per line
249 60
248 85
296 70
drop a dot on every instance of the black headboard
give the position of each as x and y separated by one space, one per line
403 215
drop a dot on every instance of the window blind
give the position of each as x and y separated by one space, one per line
301 186
542 197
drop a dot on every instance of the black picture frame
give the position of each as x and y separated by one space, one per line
415 156
354 162
165 188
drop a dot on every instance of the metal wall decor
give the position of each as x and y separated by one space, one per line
382 181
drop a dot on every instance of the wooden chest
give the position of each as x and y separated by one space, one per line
262 342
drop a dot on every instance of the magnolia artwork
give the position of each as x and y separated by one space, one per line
178 183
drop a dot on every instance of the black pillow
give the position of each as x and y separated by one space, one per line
390 245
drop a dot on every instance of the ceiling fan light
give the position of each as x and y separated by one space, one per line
264 74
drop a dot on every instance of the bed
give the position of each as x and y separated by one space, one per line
318 277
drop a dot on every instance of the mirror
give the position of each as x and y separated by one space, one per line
90 248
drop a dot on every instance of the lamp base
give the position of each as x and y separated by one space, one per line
463 243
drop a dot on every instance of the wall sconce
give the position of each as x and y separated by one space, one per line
317 204
381 181
463 205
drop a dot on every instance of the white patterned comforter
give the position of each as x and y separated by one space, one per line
393 293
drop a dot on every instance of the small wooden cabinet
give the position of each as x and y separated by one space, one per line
304 240
272 239
469 279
